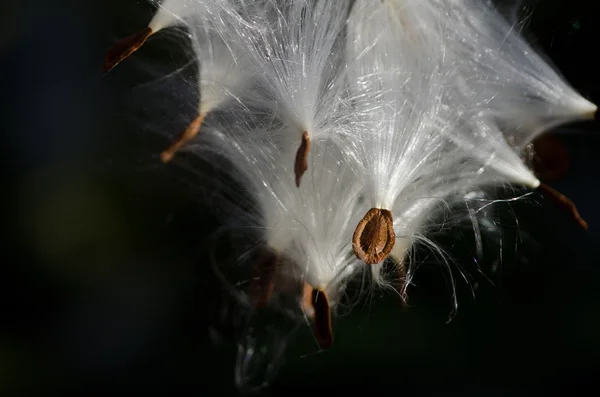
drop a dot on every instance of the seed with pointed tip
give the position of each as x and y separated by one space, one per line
322 319
301 164
190 133
124 48
374 236
565 203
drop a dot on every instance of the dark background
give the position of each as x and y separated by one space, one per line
106 280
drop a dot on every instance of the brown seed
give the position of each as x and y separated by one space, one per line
565 203
190 133
301 164
322 319
124 48
374 236
263 283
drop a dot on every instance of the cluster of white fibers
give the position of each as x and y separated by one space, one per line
350 125
508 80
298 56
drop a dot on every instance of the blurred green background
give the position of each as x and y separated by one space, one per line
107 281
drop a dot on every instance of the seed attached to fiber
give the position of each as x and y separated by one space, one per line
190 133
301 164
374 236
565 203
124 48
316 307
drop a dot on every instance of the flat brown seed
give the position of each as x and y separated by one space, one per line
322 326
190 133
124 48
565 203
301 164
374 236
263 282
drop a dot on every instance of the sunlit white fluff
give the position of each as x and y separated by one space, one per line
448 181
268 45
396 99
425 28
223 76
186 12
474 128
404 130
311 226
173 12
216 30
324 213
259 168
223 71
298 52
508 79
483 138
502 93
